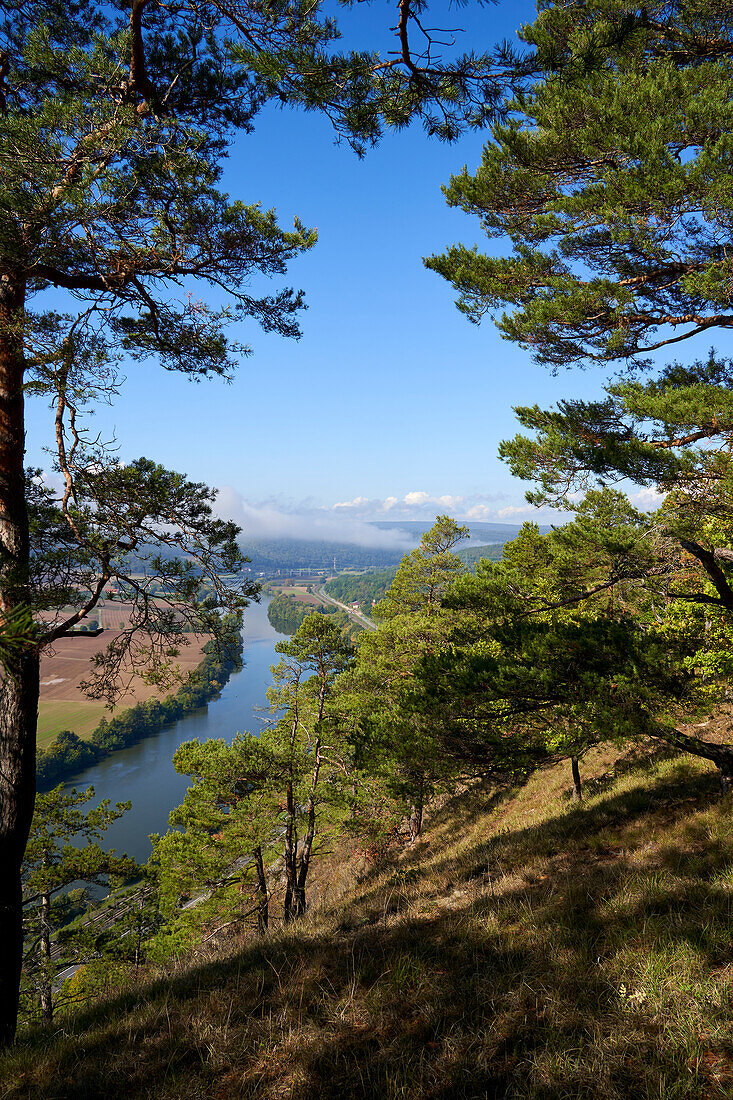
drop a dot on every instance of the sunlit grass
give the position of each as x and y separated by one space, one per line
524 948
58 714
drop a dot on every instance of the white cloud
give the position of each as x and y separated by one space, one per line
517 511
415 505
304 520
646 500
352 520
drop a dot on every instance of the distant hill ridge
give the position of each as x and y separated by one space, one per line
268 555
480 532
289 553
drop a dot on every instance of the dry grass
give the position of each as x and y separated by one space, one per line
523 948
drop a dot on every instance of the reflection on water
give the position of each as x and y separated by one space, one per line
144 775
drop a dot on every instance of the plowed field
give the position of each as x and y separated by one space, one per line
62 704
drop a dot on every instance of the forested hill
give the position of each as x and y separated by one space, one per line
470 555
270 555
364 588
479 532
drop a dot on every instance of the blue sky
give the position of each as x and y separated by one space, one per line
391 405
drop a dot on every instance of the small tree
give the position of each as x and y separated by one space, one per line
393 735
55 858
251 800
224 830
305 742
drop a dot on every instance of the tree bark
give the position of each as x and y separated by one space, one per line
19 672
300 906
46 982
291 847
262 906
577 785
721 755
305 855
416 812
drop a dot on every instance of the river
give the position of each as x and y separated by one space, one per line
144 774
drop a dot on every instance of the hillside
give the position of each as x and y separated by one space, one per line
523 948
365 588
287 554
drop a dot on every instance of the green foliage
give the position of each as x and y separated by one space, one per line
610 178
425 573
393 737
63 848
573 638
286 613
258 795
227 812
671 434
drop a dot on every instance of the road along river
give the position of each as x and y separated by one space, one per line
144 774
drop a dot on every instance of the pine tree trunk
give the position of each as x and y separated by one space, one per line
305 856
46 983
262 905
416 812
721 755
577 785
305 860
19 673
291 846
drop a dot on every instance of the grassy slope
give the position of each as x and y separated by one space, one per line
522 949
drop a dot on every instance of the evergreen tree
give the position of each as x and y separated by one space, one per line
56 858
392 735
557 647
224 832
671 434
610 178
305 743
264 797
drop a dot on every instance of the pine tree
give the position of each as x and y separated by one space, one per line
610 178
558 646
671 434
55 858
394 737
264 798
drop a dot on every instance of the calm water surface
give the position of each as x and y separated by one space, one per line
144 775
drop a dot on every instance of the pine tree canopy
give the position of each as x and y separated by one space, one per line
608 186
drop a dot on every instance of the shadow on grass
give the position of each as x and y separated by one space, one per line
600 970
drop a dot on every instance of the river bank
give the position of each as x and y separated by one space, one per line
144 774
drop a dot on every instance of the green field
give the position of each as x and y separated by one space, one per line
81 716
